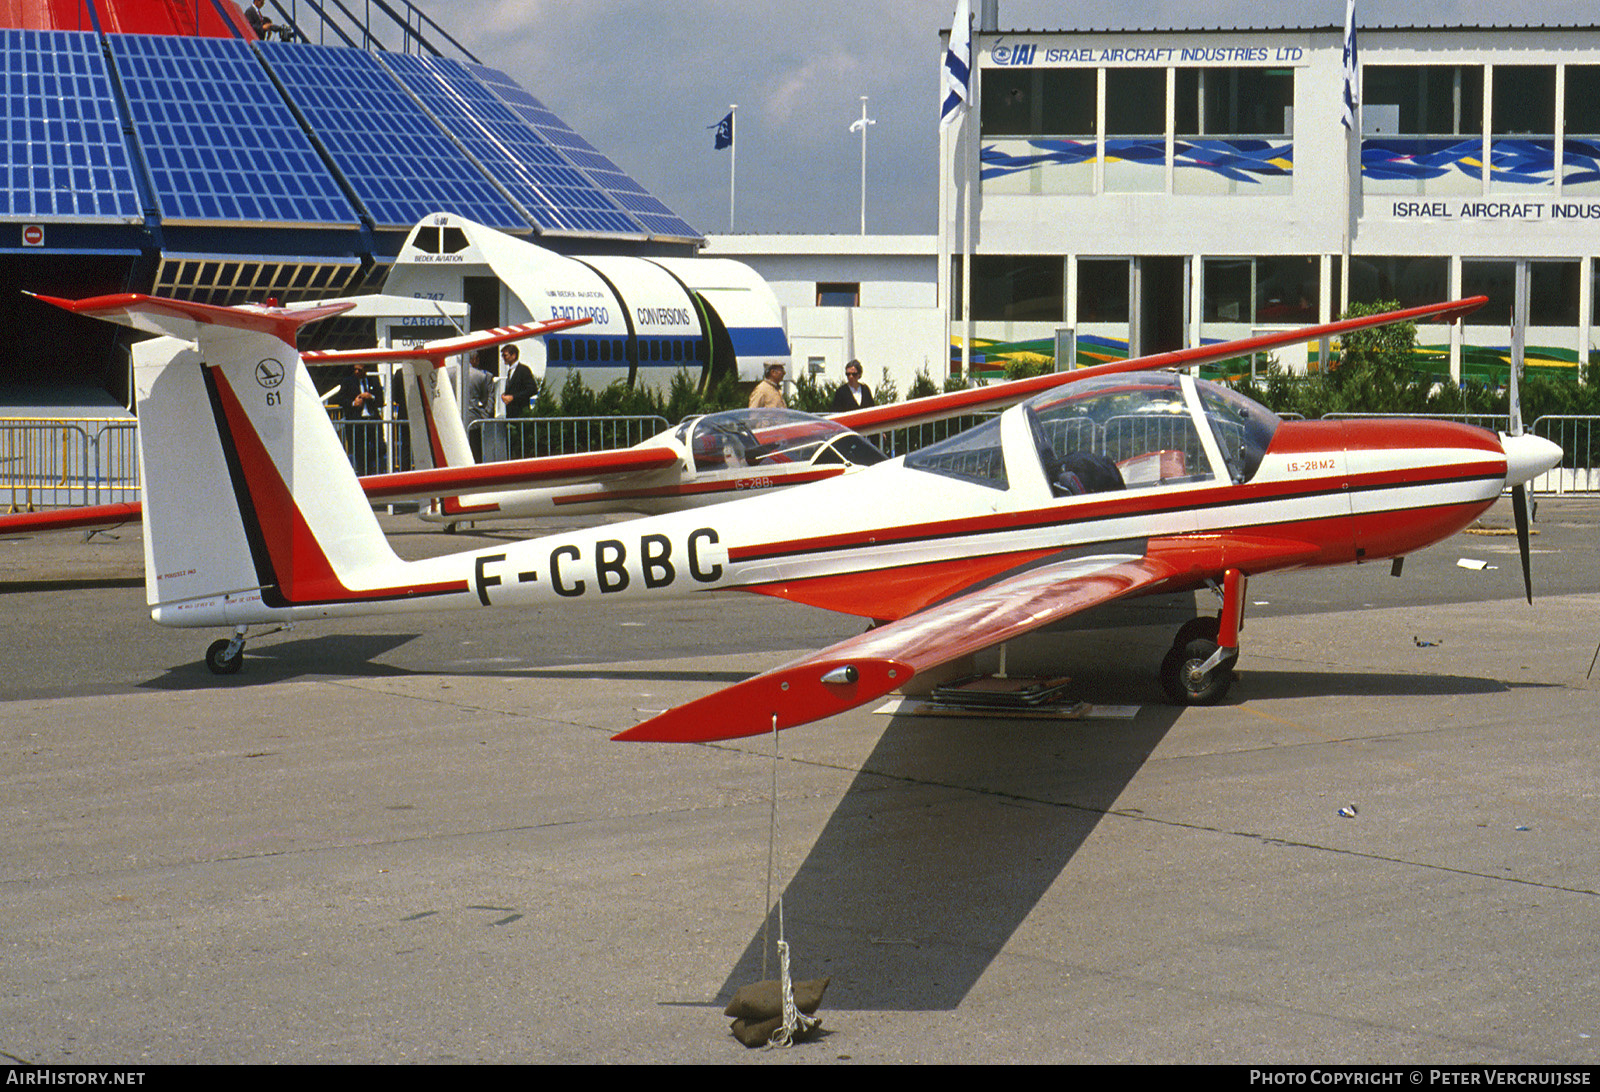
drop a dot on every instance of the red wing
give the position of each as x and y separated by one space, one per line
93 517
888 657
997 396
549 470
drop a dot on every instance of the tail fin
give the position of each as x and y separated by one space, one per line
438 436
252 510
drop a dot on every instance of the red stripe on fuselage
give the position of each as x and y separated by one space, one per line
1121 504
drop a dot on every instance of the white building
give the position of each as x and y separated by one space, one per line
873 298
1149 189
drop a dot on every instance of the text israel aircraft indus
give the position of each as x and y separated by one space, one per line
1120 482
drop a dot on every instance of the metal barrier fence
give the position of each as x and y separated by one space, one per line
1494 422
527 437
903 441
64 462
1579 440
375 447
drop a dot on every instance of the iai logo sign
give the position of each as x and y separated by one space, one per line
1014 55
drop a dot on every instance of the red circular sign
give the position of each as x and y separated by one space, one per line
33 235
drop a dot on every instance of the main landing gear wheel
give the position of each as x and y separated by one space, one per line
219 660
1183 674
1205 626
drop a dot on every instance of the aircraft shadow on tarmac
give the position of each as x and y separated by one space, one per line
954 829
345 655
946 840
1267 685
357 656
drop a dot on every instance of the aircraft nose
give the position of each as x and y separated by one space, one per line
1527 457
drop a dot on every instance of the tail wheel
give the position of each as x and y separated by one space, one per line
218 660
1183 679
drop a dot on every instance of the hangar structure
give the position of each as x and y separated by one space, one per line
1149 189
158 146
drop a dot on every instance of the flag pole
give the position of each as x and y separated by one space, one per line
733 160
864 123
1350 118
955 85
862 126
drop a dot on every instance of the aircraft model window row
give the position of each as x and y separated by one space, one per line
608 349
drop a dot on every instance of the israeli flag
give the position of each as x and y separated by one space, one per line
955 79
724 137
1351 78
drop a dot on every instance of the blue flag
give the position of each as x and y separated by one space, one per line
724 138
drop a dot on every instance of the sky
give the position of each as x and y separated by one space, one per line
646 83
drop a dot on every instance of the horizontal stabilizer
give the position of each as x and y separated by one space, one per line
546 470
182 319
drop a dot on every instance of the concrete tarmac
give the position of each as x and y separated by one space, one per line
410 839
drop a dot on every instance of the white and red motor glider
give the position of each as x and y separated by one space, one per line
1116 481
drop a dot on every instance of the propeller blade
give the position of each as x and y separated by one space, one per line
1519 508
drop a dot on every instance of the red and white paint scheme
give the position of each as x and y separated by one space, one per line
1116 482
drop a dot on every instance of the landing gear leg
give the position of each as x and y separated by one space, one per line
1199 668
225 656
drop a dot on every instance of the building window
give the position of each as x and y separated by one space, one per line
1102 291
838 294
1580 159
1522 127
1049 114
1031 102
1422 129
1017 289
1136 130
1260 291
1411 281
1235 130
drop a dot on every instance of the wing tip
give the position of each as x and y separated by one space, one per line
793 695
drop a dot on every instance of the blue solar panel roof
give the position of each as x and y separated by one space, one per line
556 196
656 218
64 153
398 162
219 141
